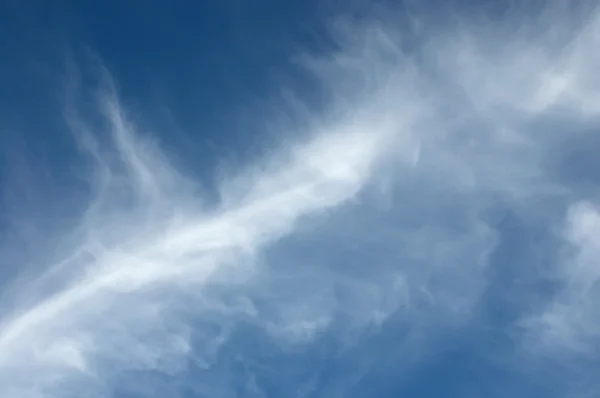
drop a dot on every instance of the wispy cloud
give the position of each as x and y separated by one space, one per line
567 325
391 190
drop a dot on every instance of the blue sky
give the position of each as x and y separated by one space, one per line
299 199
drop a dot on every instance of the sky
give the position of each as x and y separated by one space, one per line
299 199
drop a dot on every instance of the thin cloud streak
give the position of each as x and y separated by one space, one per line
127 261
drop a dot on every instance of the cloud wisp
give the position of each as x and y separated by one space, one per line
392 189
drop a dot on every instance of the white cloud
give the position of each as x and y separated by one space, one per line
146 250
568 324
154 274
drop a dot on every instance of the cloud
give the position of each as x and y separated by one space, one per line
380 212
567 324
147 253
